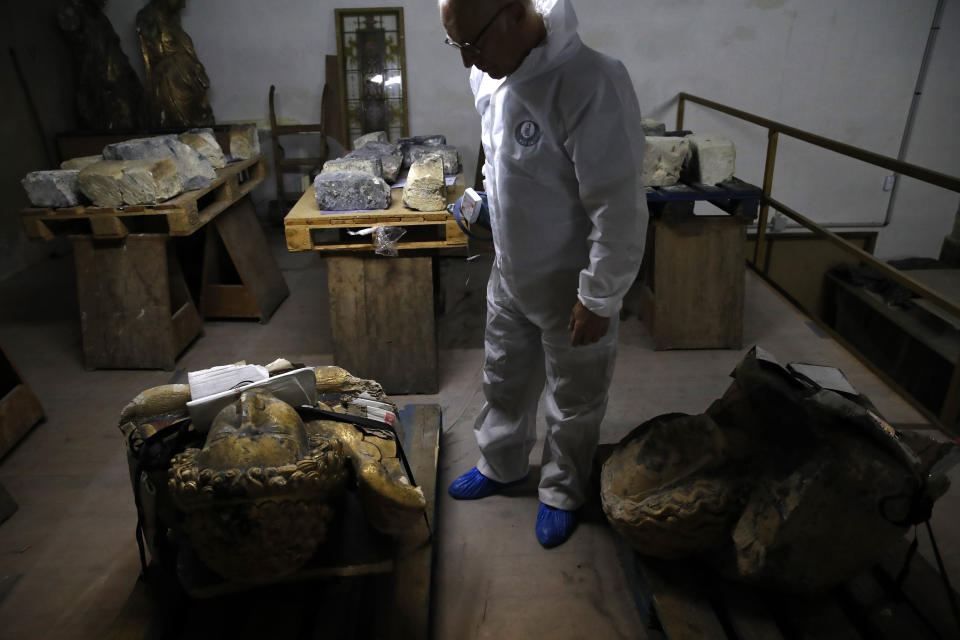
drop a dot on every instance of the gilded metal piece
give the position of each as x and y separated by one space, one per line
257 498
391 504
109 93
177 83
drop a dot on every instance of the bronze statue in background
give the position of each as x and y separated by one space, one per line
177 83
109 93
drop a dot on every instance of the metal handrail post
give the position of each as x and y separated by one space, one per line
760 250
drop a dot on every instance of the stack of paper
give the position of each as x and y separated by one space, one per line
208 382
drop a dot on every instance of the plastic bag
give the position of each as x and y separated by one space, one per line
385 240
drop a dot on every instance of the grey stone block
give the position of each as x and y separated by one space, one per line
433 140
712 159
203 141
425 189
350 191
653 127
449 155
372 166
114 183
663 160
56 188
244 142
81 162
376 136
195 170
389 155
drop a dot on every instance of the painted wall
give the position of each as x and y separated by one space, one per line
845 70
31 31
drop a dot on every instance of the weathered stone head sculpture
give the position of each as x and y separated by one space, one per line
781 482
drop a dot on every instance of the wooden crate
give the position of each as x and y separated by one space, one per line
135 309
307 228
382 320
693 282
179 216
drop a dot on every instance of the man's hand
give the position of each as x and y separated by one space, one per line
586 326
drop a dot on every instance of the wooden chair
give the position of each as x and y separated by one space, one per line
308 165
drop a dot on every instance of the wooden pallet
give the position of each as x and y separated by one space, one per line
179 216
309 229
735 197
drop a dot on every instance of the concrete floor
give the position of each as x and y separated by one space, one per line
68 558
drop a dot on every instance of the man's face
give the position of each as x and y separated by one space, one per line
488 32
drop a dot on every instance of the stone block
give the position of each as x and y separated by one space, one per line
405 144
56 188
350 191
244 142
663 160
653 127
389 155
372 166
712 159
195 170
149 181
80 163
375 136
203 141
114 183
449 155
425 189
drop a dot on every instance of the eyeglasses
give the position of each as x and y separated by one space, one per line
471 46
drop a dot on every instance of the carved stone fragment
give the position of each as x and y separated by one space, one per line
425 189
663 160
244 142
375 136
448 154
56 188
370 166
389 155
113 183
203 141
195 170
712 159
350 191
81 162
782 482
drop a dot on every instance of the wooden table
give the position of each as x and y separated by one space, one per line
694 265
136 308
381 308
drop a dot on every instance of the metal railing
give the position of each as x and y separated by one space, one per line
950 411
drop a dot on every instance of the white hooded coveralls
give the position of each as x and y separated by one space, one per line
564 156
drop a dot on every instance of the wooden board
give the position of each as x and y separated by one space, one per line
694 283
261 288
135 311
307 228
19 408
382 320
414 560
179 216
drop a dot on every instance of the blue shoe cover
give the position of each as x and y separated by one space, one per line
473 485
554 526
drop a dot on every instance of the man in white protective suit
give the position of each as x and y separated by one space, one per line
564 156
